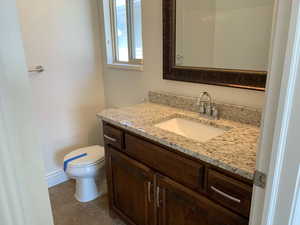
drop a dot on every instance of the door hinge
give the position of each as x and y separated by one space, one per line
260 179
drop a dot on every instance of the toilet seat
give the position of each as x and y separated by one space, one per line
95 154
85 165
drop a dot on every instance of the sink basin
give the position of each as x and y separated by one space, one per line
190 129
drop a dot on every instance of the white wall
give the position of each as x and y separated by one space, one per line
129 87
63 36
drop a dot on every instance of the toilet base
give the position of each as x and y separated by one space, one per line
86 189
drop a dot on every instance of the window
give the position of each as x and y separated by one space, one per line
123 31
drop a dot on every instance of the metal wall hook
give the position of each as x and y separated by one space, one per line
37 69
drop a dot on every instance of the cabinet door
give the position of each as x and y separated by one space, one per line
178 205
130 189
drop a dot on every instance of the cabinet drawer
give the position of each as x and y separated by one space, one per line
181 169
113 136
229 192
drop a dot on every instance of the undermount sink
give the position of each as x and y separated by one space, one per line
190 129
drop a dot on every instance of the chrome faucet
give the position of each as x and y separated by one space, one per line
206 106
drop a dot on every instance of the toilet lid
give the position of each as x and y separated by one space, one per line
94 154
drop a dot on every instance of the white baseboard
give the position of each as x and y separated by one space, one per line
56 177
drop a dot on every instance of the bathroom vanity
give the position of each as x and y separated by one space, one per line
156 176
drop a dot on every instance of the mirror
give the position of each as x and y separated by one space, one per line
221 42
231 34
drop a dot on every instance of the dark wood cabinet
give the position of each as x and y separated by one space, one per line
183 170
229 193
178 205
131 187
113 136
150 185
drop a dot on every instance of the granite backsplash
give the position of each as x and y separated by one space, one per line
241 114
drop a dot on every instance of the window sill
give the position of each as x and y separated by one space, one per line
125 67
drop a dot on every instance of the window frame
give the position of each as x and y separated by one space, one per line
109 8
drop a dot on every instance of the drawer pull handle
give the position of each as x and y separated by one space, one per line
149 191
225 195
110 138
157 197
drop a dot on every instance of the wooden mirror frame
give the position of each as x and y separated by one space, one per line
247 79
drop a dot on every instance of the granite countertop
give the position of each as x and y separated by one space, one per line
234 150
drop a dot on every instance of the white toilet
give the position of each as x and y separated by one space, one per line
84 165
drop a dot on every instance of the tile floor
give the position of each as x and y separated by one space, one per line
68 211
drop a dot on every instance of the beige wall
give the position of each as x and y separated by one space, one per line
63 36
130 87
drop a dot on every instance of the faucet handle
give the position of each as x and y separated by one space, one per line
202 108
215 112
208 109
199 102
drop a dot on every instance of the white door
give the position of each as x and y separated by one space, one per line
284 193
23 191
279 156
